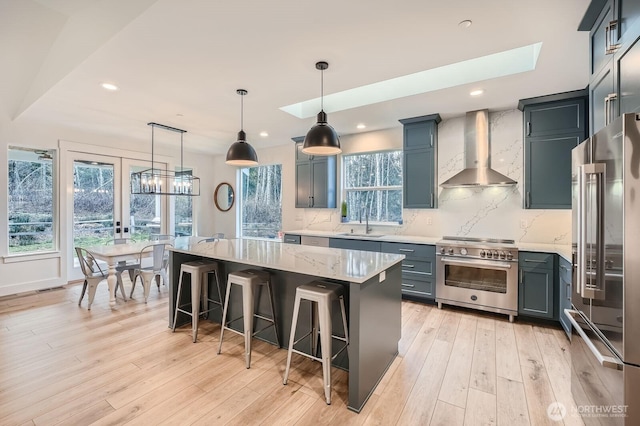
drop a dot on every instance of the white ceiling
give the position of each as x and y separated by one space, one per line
180 62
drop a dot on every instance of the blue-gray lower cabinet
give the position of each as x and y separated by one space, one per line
418 268
291 239
536 290
345 243
564 281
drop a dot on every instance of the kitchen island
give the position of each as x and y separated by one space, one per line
372 296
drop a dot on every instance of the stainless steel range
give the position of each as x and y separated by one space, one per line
478 273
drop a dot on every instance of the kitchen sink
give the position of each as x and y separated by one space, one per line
357 234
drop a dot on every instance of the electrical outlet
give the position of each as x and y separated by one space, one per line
524 223
429 220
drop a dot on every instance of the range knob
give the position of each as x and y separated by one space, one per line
489 254
483 253
502 255
495 254
463 251
509 256
442 250
450 251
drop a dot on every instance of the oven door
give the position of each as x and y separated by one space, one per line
473 281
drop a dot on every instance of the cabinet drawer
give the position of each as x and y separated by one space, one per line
417 266
419 251
418 288
536 260
291 239
314 241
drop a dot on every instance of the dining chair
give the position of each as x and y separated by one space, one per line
93 275
157 269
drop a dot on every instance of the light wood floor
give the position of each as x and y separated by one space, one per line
63 364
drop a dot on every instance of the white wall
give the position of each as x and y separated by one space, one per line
483 212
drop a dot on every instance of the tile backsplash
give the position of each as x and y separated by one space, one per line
494 212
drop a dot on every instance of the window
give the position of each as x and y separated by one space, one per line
373 186
31 200
260 202
183 209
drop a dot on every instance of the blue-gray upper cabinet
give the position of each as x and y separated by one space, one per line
420 162
363 245
564 282
315 180
553 126
614 84
536 288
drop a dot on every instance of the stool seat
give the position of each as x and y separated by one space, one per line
321 295
199 271
249 281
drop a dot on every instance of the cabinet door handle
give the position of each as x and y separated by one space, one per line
528 128
610 36
431 142
289 240
408 285
520 276
408 266
527 200
608 107
535 261
406 250
432 200
564 267
569 291
309 202
313 201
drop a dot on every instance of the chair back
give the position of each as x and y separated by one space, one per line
120 241
157 256
161 237
88 263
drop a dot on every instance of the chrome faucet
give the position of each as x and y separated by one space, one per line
366 215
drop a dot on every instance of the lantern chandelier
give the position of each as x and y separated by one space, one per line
157 181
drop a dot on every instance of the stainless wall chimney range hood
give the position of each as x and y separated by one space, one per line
477 156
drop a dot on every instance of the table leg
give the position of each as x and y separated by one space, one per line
111 280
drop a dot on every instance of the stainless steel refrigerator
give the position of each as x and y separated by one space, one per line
605 314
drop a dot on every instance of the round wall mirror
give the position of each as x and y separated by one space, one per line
224 197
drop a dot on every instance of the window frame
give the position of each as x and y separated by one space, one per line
345 189
239 193
54 251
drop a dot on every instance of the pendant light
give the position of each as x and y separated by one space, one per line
321 139
241 153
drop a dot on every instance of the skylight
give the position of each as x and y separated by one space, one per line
496 65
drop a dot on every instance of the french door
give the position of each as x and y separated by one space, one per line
103 206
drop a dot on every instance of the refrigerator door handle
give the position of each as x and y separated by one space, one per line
603 360
591 291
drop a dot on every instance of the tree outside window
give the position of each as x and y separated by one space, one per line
261 201
373 186
31 200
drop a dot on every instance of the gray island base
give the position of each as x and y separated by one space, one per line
373 298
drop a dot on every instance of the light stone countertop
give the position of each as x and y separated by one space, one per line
563 250
344 265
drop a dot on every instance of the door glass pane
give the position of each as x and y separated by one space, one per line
146 212
93 203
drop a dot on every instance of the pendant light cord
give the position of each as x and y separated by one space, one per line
321 90
152 144
241 112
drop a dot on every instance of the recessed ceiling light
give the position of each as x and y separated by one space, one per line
179 115
470 71
361 126
476 92
465 24
264 134
109 86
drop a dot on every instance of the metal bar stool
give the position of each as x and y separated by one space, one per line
249 280
321 295
199 271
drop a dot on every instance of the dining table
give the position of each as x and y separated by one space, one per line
114 253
